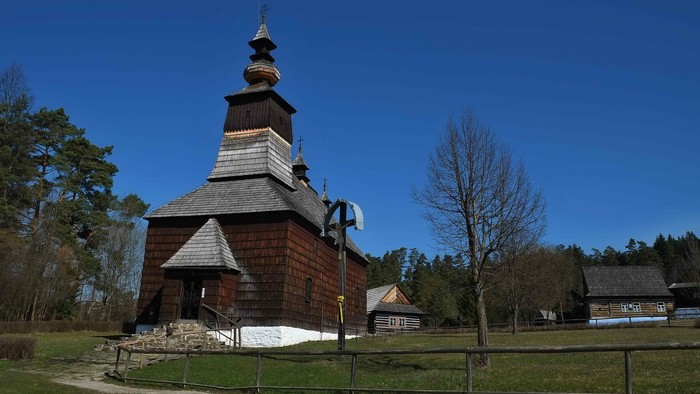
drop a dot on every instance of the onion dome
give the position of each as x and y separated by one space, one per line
262 68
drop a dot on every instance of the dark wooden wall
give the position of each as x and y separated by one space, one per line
265 111
260 252
276 257
161 243
315 258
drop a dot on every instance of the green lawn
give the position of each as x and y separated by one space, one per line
34 376
667 371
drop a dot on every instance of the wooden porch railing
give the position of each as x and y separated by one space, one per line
219 319
354 354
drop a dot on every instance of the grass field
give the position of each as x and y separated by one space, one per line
662 372
34 376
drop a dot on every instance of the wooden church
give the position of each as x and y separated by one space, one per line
247 243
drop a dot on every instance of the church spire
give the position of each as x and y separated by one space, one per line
257 106
324 197
299 166
262 69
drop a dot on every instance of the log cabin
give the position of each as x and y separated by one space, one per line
390 310
247 244
621 294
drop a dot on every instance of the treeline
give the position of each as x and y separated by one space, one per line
69 247
543 278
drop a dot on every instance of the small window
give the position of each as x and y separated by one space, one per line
625 307
309 290
402 322
392 322
661 307
636 307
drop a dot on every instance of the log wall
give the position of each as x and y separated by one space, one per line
379 322
608 309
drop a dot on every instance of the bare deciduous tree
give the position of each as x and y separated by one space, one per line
477 200
519 280
15 96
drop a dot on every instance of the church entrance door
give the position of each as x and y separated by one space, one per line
191 295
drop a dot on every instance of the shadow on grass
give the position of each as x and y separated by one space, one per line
394 364
384 363
111 337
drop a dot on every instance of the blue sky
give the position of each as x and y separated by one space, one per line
600 100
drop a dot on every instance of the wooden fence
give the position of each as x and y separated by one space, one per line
626 350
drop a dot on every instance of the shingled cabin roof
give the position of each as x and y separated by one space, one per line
207 249
391 299
628 281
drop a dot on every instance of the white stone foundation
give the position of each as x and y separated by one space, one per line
277 336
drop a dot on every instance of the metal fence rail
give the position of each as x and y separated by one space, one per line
354 354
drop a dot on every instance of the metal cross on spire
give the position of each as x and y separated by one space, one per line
263 10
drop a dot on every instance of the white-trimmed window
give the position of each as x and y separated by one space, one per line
624 307
636 307
402 322
661 307
392 322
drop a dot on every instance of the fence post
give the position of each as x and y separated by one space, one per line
469 372
353 371
186 369
258 373
143 346
116 364
628 372
126 366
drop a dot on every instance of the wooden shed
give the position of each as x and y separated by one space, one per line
247 243
625 294
390 310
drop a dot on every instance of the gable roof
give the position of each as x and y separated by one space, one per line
543 314
207 249
627 281
390 298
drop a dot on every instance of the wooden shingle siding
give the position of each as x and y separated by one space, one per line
275 258
161 244
312 257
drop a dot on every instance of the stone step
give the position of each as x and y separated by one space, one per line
184 336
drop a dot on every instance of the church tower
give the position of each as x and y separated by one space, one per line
247 243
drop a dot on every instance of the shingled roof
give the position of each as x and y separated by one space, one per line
375 303
207 249
627 281
255 152
248 195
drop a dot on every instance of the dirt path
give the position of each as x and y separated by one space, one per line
104 387
88 372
